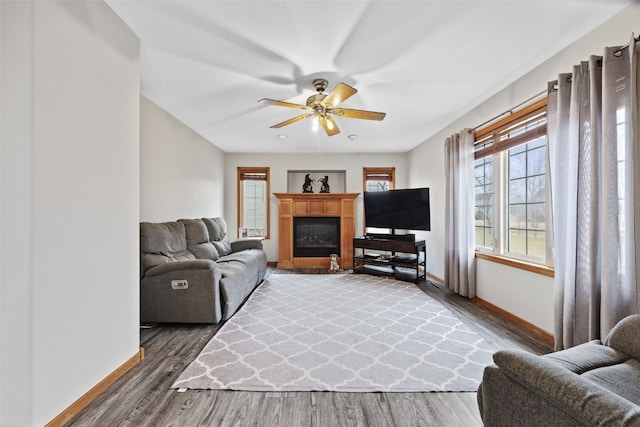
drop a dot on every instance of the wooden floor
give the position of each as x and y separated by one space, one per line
142 397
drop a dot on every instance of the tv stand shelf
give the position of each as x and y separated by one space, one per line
407 260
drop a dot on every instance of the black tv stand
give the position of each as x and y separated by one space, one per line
406 261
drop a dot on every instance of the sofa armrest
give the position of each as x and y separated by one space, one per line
196 264
195 299
587 356
625 336
584 400
243 244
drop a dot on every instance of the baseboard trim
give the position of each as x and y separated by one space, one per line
66 415
517 320
434 278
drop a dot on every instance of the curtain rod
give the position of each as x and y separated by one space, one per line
510 111
618 51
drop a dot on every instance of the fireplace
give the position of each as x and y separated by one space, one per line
311 210
316 236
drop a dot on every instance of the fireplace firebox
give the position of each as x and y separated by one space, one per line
316 236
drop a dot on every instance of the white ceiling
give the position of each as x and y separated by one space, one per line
424 63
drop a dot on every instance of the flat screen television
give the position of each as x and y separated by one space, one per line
406 209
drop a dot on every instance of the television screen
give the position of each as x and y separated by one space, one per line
406 209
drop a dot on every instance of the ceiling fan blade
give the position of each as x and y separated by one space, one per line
358 114
339 94
293 120
282 103
329 125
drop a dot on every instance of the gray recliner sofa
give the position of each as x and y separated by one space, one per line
592 384
192 273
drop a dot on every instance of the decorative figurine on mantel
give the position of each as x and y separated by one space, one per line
334 267
325 184
306 187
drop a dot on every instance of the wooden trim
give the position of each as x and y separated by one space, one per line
517 263
510 118
391 171
517 320
434 278
77 406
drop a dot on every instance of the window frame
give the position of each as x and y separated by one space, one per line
379 171
253 170
492 134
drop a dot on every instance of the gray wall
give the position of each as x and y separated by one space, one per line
69 204
181 173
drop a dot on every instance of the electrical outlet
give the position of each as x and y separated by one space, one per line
179 284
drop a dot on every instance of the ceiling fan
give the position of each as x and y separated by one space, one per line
323 107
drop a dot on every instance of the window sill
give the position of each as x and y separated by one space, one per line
516 263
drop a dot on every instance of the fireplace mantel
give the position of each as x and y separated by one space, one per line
290 205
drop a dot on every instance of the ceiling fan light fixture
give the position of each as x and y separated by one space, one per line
330 124
322 107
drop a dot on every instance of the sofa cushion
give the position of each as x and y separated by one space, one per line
236 284
625 336
622 379
217 228
249 259
198 239
162 238
161 243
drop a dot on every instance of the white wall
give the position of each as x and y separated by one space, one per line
181 173
69 198
281 163
527 295
524 294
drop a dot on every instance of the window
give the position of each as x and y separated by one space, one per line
378 179
622 178
483 178
510 183
253 201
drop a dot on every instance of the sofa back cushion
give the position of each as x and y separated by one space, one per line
625 336
198 239
217 228
161 243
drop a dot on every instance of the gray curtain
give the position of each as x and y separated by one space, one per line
595 166
459 245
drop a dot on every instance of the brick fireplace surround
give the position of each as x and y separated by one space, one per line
290 205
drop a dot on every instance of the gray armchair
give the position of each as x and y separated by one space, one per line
592 384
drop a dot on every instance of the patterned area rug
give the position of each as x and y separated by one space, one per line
344 333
